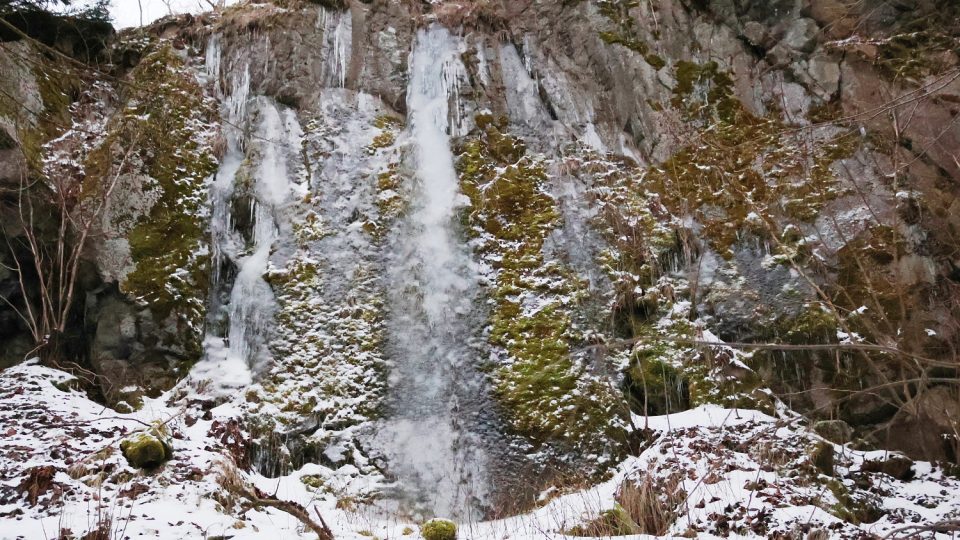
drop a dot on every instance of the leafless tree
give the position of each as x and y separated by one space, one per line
47 269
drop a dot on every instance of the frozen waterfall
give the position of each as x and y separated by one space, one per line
439 463
242 310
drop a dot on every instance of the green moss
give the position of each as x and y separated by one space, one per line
625 32
57 82
690 74
313 481
655 61
613 522
816 323
165 120
634 44
392 201
439 529
542 389
383 140
862 279
657 387
146 450
921 45
856 509
318 341
744 173
389 128
821 455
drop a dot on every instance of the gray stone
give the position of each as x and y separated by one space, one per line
836 431
802 35
825 73
780 56
757 34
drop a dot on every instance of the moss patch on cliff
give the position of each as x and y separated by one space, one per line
547 392
392 197
922 44
648 249
625 32
166 131
743 174
57 84
332 353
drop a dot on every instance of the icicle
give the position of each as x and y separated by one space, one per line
337 29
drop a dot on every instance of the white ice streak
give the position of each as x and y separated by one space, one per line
337 45
433 283
231 360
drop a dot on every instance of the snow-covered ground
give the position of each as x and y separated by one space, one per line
729 473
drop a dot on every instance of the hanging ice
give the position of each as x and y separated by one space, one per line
337 45
234 353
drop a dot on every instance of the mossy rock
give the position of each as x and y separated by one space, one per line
146 450
855 508
656 387
439 529
613 522
822 458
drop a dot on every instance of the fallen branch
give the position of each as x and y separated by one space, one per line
626 343
913 531
232 482
259 499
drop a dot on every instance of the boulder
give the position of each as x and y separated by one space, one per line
825 74
146 450
837 17
757 34
801 35
897 466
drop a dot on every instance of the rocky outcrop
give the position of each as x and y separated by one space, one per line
641 182
138 312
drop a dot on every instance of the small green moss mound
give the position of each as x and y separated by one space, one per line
855 508
146 450
613 522
439 529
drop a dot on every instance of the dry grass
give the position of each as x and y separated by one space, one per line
651 504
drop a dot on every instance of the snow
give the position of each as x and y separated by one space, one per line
126 13
728 462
